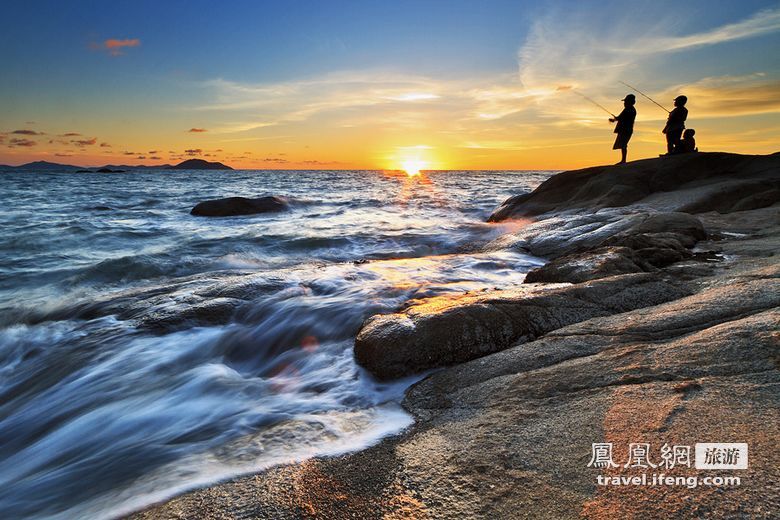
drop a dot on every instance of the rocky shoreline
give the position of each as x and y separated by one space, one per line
656 321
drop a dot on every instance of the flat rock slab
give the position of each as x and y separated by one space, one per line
233 206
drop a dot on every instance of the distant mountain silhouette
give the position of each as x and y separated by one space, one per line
44 166
200 164
56 167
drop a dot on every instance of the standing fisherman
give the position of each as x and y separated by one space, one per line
676 123
625 126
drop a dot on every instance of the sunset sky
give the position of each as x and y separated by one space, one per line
373 84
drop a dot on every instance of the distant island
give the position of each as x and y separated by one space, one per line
190 164
200 164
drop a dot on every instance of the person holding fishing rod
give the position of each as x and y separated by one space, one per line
625 121
675 124
625 126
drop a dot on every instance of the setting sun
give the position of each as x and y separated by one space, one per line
413 167
414 159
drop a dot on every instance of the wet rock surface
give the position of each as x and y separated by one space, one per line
648 243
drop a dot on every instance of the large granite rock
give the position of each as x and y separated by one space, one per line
233 206
444 331
697 182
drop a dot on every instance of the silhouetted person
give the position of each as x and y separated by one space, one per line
676 123
687 144
625 126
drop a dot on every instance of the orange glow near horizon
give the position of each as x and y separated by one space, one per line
374 136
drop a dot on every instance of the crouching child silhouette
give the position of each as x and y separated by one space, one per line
687 144
625 126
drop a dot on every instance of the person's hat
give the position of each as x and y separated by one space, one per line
629 97
684 99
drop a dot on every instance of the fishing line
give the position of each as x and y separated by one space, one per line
598 105
643 94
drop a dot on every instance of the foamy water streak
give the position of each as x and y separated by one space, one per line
119 388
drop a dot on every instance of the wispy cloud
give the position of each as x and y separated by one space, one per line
85 142
294 101
379 99
26 132
197 130
762 22
21 142
116 47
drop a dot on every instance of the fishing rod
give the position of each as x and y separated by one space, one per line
589 99
643 94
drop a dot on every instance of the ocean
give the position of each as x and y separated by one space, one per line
145 351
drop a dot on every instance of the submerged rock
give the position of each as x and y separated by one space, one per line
233 206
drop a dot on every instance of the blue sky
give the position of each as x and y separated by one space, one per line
190 56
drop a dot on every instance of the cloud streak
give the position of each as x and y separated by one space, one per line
85 142
116 47
21 142
763 22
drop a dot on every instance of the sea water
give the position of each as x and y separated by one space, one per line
103 410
